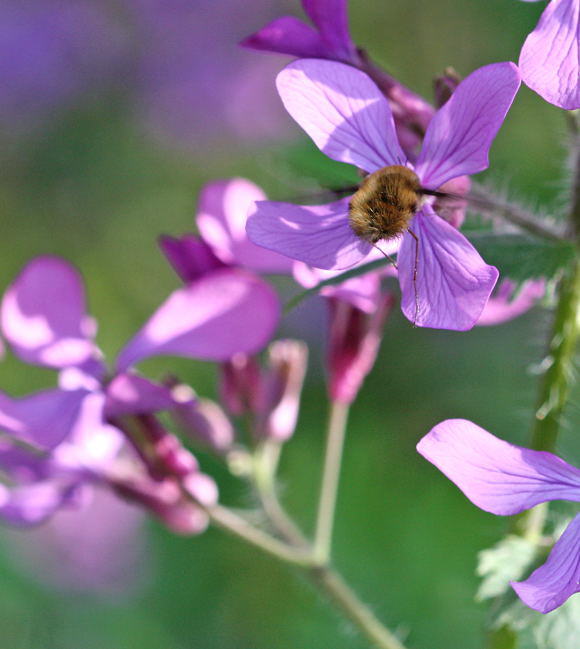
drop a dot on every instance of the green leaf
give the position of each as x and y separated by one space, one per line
337 279
504 562
559 629
521 257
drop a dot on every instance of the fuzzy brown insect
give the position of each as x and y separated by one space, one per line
385 203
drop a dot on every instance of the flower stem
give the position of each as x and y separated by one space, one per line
358 613
556 383
330 479
231 522
492 206
559 377
264 476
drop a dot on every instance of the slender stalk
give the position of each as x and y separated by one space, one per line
357 612
492 206
560 375
330 479
266 460
230 522
322 575
556 384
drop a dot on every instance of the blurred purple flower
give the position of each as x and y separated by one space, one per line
50 51
43 318
505 479
186 97
349 119
328 39
97 547
509 301
222 214
550 58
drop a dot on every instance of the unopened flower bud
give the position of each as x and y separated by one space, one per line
354 341
282 388
166 500
240 384
444 86
204 421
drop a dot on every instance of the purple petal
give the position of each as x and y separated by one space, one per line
550 57
503 306
131 394
43 315
331 18
34 503
318 235
453 282
343 111
496 476
43 419
460 134
190 256
210 319
559 578
288 35
222 215
362 292
92 444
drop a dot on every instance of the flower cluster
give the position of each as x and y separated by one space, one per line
110 429
81 433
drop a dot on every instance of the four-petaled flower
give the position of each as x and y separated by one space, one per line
444 282
505 479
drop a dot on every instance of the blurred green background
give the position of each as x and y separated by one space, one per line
92 180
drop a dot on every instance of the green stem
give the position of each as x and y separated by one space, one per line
266 459
330 479
559 377
322 575
358 613
236 525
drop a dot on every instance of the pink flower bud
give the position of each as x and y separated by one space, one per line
282 386
240 384
354 341
444 86
203 420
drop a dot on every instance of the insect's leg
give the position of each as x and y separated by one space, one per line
415 266
374 245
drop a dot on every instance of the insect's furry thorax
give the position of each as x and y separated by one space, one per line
385 203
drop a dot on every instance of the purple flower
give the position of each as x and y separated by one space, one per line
331 40
43 318
328 39
444 282
98 547
222 214
550 58
505 479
